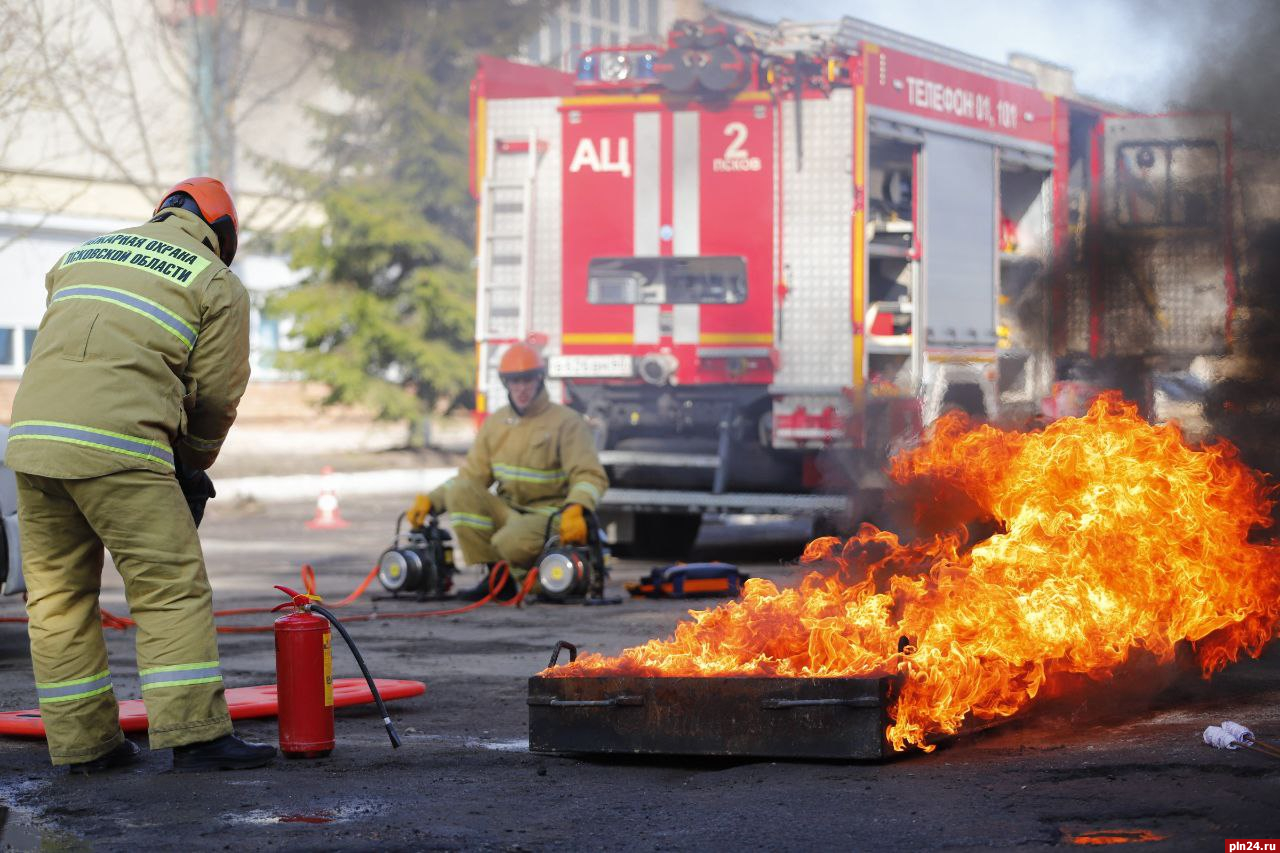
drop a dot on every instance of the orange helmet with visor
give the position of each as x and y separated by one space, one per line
208 199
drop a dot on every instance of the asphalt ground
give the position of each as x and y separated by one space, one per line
1120 763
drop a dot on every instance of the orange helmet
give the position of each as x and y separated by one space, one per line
521 361
208 199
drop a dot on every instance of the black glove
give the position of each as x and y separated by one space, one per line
196 487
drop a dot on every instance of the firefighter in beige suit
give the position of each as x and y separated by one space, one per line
542 457
138 365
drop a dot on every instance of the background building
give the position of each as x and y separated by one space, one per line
107 103
580 24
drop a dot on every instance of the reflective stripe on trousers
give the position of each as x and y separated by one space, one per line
466 519
181 674
76 688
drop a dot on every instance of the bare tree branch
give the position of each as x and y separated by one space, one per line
103 91
94 135
131 91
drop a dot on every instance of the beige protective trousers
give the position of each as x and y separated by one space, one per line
141 518
489 530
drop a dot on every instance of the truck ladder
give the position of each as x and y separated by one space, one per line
504 274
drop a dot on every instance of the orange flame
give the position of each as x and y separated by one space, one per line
1116 536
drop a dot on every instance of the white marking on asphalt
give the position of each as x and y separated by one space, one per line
499 745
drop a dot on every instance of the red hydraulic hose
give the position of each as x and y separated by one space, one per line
497 580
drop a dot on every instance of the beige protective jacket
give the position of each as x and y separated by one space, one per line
143 349
541 460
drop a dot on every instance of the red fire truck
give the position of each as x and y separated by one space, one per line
758 260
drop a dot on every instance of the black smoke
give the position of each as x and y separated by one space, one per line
1226 63
1231 66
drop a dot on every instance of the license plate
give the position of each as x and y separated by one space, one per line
590 366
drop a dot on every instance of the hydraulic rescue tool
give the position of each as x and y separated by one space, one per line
304 677
575 573
419 562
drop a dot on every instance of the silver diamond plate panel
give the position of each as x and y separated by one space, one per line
1165 293
1170 300
816 342
1076 302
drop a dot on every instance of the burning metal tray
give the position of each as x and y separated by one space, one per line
841 718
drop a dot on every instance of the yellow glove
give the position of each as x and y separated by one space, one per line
573 527
417 514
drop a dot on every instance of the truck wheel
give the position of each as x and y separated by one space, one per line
662 535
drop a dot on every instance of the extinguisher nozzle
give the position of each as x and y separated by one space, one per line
391 732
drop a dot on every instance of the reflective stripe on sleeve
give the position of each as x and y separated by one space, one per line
586 487
181 674
90 437
199 443
466 519
153 311
76 688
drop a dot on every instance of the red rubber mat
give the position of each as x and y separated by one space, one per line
244 702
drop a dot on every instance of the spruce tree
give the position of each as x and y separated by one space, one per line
385 313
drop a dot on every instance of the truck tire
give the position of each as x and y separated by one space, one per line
662 536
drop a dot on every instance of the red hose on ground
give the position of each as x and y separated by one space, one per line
497 580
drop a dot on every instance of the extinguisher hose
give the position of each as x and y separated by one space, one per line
373 688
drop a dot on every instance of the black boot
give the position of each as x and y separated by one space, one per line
475 593
480 590
125 753
508 589
225 753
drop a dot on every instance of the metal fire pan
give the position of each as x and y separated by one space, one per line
835 718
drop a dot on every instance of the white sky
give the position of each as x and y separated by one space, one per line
1126 51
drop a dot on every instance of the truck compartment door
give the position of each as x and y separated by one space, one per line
1165 279
959 243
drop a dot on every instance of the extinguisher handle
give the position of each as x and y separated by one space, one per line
300 600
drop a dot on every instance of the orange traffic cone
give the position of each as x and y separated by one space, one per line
327 516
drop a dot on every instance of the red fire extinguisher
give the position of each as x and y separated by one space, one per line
304 677
304 683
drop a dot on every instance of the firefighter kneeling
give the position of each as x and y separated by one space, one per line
544 460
